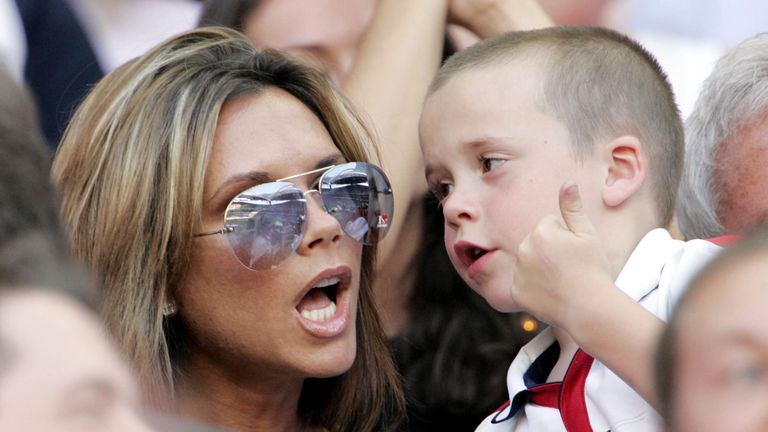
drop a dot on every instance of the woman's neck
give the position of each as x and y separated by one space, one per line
253 404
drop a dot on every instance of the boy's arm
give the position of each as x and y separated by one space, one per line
579 296
623 336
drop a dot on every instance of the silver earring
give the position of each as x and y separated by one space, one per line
169 309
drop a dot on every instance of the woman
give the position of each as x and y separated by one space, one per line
204 185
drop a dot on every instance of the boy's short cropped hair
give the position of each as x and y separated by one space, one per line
601 85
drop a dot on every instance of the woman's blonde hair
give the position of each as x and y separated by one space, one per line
130 171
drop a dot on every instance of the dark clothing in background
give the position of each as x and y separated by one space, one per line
61 64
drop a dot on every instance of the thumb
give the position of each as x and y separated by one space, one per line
573 213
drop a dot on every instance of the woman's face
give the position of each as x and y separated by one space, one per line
259 324
325 34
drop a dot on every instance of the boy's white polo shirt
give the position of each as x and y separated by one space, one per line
656 274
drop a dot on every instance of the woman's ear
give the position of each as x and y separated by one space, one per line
627 168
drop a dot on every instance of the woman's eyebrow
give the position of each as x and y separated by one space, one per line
252 178
330 160
256 177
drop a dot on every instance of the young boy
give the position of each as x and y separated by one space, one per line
713 357
581 123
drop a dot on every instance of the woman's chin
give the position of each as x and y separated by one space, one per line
331 362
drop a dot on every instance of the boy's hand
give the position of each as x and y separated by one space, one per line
562 271
563 277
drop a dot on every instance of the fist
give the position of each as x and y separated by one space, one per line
562 269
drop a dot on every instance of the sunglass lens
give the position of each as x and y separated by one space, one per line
266 224
359 196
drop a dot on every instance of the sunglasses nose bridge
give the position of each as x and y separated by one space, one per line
318 198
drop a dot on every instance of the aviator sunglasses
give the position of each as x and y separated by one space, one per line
265 223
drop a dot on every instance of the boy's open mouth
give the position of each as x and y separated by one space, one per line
469 253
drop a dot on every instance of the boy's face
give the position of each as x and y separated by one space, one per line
722 354
497 162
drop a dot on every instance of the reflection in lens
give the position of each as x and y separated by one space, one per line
266 224
359 196
356 229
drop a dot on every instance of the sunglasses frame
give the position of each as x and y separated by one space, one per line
229 229
325 170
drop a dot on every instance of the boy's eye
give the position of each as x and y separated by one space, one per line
490 164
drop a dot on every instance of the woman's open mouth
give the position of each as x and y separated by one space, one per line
320 302
324 309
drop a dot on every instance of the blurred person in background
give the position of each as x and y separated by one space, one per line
216 191
58 369
450 346
724 188
713 358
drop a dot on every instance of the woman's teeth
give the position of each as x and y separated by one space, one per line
323 314
327 282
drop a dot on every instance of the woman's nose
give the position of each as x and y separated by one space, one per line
321 228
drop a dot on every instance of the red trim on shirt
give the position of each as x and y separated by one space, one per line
568 396
545 395
573 406
504 405
725 240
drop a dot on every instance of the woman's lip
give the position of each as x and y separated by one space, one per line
343 272
479 264
334 326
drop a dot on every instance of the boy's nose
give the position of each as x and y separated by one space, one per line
459 207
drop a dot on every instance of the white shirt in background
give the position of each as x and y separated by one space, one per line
120 30
13 48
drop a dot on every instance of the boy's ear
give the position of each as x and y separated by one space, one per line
626 170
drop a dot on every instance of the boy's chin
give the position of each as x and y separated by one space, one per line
500 301
497 298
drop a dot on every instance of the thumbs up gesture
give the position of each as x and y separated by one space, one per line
562 270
